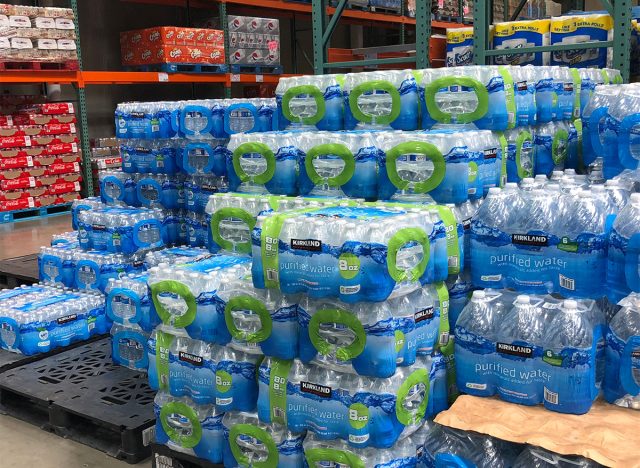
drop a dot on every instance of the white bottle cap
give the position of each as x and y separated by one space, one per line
494 191
479 294
523 299
510 185
570 304
612 182
540 177
527 181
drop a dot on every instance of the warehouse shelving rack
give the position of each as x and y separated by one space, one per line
620 11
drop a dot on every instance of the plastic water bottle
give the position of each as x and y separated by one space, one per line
623 251
623 343
570 349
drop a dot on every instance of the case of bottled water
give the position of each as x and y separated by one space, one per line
36 319
145 120
374 339
198 189
336 164
543 240
70 237
84 204
320 452
249 442
198 232
175 256
524 90
248 116
481 95
189 428
622 353
128 302
531 350
310 101
594 118
263 163
444 446
118 188
129 346
369 250
203 156
184 296
120 230
365 411
447 166
620 135
257 321
69 266
590 79
557 93
622 271
520 153
233 216
150 156
382 100
550 147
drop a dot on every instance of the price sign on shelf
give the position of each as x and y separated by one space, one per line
259 78
163 77
235 78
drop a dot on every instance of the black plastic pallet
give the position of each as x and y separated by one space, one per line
81 395
9 360
257 69
163 457
182 68
30 214
18 270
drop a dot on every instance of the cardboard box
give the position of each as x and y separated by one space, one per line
18 204
40 161
15 141
175 54
38 119
59 199
46 140
22 193
60 183
50 108
16 174
63 168
58 188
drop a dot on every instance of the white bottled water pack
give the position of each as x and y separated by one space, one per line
531 350
81 205
36 319
379 248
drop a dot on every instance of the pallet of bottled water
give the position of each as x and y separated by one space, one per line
365 253
531 349
36 319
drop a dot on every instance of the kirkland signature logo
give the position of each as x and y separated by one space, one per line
313 245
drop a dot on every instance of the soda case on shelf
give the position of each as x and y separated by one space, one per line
172 44
254 40
38 318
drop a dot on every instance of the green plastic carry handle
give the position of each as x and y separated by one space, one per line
341 317
259 434
312 91
259 148
510 95
257 307
438 115
399 239
577 89
176 407
228 212
341 457
370 86
336 149
523 137
561 135
179 289
408 418
416 147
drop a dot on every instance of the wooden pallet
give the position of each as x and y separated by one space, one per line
181 68
70 65
29 214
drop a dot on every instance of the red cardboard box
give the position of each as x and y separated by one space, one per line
18 204
46 140
186 54
49 200
21 173
15 141
61 183
38 119
40 161
63 187
50 108
22 193
16 163
63 168
54 149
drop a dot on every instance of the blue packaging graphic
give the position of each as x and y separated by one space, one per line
623 252
82 205
529 351
382 100
128 302
483 96
594 118
150 156
118 188
129 346
295 252
365 412
189 428
247 439
310 101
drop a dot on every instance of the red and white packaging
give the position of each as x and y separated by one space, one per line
38 119
50 108
17 204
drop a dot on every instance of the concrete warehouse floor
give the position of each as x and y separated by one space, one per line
21 443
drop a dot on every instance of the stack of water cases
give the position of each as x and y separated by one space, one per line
174 157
